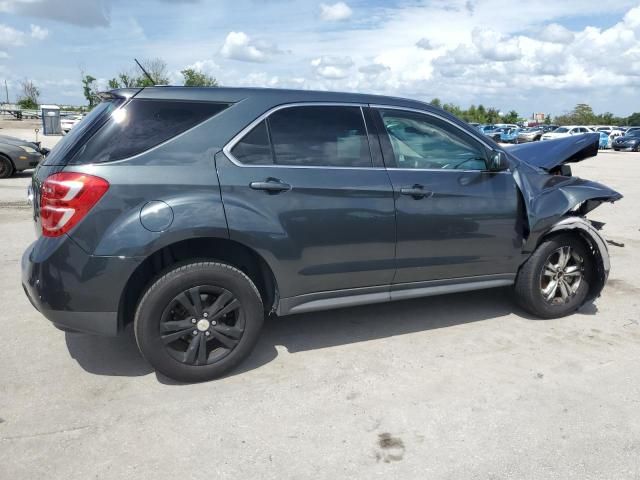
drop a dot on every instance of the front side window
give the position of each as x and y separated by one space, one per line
423 142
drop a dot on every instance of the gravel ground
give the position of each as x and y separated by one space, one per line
464 386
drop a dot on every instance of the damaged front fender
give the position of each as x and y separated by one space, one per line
556 203
549 198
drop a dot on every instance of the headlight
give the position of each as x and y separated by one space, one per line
28 149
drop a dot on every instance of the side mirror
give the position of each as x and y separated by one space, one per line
498 162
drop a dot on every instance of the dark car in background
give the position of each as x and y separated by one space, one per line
630 141
17 155
195 212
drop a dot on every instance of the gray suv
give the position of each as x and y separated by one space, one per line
195 212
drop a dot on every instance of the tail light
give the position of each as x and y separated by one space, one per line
66 198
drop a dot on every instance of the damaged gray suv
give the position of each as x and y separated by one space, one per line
195 212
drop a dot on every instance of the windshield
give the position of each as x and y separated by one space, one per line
561 130
74 137
633 133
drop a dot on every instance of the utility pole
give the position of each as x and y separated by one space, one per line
6 90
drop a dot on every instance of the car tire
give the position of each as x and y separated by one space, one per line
181 326
534 287
6 167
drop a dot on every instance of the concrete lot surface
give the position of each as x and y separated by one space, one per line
464 386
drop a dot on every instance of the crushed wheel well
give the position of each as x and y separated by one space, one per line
198 249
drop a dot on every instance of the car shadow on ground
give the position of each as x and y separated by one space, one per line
119 356
23 174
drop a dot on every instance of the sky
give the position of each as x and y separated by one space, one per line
531 56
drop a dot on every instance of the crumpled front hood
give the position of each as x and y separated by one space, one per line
547 198
552 153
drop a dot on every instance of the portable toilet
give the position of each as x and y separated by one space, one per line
51 120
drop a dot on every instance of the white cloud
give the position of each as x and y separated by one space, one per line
494 46
373 69
332 68
10 37
335 12
84 13
239 46
38 32
425 44
205 66
556 34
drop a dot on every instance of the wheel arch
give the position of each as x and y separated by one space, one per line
586 232
197 249
13 164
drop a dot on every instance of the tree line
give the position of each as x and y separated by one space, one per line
157 69
158 73
582 114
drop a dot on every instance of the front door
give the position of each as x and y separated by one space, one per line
454 218
300 188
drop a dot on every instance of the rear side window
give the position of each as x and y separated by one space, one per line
73 140
327 136
141 125
332 136
254 148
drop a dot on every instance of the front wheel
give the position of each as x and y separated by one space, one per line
198 321
555 280
6 167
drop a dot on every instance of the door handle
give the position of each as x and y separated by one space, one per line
417 192
271 185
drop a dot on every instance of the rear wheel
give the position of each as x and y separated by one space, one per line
199 321
555 279
6 167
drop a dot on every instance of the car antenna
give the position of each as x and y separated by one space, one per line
153 82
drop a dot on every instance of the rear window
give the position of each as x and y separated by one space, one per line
73 140
141 125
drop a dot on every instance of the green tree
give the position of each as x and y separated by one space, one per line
634 119
89 90
481 114
157 69
30 95
511 117
195 78
583 114
493 115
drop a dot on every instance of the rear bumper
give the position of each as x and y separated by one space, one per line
72 289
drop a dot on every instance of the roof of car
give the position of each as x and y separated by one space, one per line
275 95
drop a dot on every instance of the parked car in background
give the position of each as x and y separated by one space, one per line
67 123
566 131
17 155
605 141
505 134
630 141
486 128
532 134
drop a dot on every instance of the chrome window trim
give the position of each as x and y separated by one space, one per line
239 136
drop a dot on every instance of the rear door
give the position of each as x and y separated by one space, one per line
454 218
300 187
